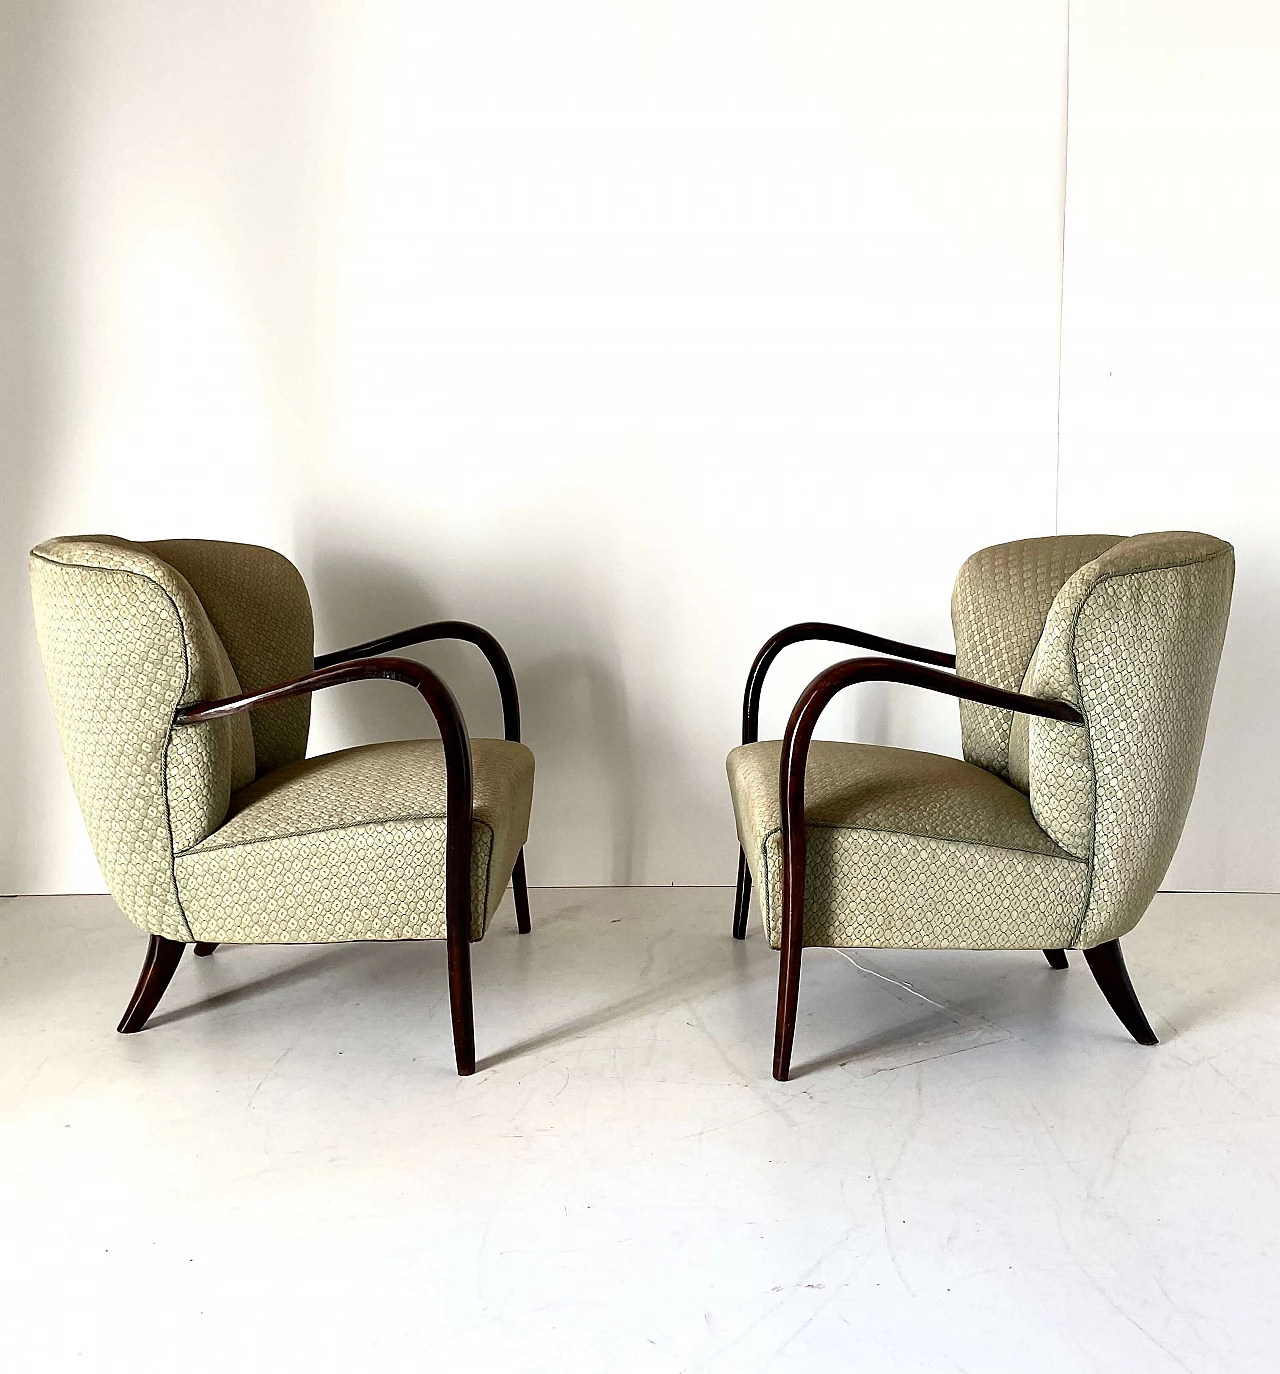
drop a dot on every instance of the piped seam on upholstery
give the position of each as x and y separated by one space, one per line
361 825
203 847
1093 766
186 683
921 835
766 895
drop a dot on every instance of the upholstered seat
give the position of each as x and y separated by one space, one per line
1084 667
351 846
907 850
181 673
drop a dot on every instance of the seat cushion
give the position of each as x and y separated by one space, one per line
351 846
907 850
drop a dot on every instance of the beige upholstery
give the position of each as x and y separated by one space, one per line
350 846
907 849
221 831
1051 835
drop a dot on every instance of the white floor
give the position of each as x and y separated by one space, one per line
282 1172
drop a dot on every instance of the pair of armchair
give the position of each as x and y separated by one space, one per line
181 673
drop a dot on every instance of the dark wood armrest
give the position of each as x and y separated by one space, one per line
445 629
795 755
458 787
836 634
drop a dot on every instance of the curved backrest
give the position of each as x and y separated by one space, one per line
257 602
1002 596
1130 632
1133 640
126 639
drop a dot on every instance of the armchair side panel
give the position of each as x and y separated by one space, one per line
124 642
1134 641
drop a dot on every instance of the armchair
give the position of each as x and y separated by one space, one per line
1084 668
181 673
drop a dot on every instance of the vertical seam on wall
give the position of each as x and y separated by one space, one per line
1062 270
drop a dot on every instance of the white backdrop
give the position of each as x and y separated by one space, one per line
1171 351
631 332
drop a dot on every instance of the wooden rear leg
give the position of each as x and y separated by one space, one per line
205 948
1057 957
1107 966
157 971
520 887
742 902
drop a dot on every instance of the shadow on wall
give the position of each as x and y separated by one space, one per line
588 812
33 416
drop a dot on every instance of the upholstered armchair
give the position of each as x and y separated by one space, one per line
181 673
1085 667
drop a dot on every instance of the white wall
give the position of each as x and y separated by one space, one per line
632 332
1171 351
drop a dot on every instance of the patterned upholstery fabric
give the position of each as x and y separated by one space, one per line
1129 631
257 602
907 850
125 642
1001 597
1133 640
222 831
351 846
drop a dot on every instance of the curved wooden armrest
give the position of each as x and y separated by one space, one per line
795 754
836 634
446 629
458 790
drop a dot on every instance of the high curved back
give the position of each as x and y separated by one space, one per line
129 632
1130 632
1001 599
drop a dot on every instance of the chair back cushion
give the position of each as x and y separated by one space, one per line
257 602
1133 640
1002 596
125 641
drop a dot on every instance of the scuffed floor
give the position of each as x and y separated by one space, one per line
283 1172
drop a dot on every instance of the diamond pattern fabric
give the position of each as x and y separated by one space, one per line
125 642
998 608
918 851
224 831
906 850
1133 640
257 602
351 846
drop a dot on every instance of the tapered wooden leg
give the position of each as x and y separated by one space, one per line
1107 965
742 903
1057 958
784 1032
460 1006
157 969
520 888
204 948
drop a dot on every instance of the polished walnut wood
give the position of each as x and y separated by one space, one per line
1106 963
204 948
458 805
158 969
798 634
795 753
520 889
1057 958
506 679
445 629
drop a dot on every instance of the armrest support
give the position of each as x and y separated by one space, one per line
795 754
445 629
836 634
458 793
